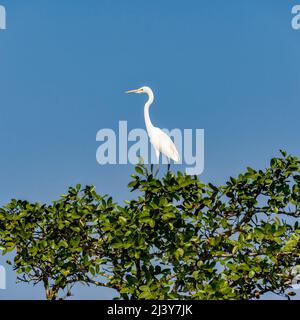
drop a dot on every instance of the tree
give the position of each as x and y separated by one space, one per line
55 244
179 239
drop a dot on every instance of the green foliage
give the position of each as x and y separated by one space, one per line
55 244
178 239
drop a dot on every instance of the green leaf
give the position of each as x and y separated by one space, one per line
179 253
139 170
235 249
144 288
146 295
122 220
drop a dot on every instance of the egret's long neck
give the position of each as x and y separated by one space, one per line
149 125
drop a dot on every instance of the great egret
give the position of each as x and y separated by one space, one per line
161 142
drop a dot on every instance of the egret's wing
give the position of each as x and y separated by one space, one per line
162 142
174 152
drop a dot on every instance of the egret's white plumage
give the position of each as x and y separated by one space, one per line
161 142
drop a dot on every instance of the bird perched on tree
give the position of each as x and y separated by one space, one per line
160 141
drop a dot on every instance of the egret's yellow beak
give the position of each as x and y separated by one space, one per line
134 91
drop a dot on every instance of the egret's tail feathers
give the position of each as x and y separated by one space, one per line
175 155
176 158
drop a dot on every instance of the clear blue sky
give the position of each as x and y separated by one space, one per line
230 67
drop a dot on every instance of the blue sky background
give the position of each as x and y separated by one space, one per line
230 67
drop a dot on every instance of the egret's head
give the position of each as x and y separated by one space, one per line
141 90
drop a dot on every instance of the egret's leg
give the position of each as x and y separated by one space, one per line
157 165
157 169
169 166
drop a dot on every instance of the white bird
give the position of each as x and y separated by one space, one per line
160 141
